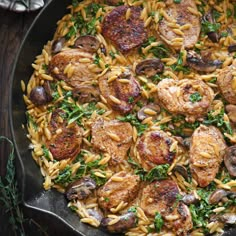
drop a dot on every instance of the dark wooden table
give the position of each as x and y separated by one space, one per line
13 27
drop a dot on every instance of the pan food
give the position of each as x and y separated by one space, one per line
131 113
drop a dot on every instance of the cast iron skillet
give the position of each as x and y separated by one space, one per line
51 204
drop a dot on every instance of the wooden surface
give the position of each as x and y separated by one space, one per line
13 27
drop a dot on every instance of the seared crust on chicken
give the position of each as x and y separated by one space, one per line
122 88
79 62
112 137
125 34
153 149
179 13
161 196
176 97
114 191
206 154
226 82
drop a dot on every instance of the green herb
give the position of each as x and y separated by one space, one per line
195 97
224 34
97 60
106 199
157 173
73 208
229 13
112 54
133 120
178 66
216 15
218 120
44 67
156 78
177 1
30 120
158 51
75 3
10 194
99 180
64 176
213 80
208 27
46 152
133 209
130 100
158 222
234 11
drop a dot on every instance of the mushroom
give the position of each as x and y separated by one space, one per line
231 111
148 110
196 62
40 96
232 48
58 44
97 214
125 222
230 160
86 93
228 218
149 67
190 199
217 195
212 35
181 170
80 189
87 43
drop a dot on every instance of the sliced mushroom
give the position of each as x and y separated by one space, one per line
149 67
148 110
212 35
126 222
58 44
232 48
217 195
97 214
228 218
190 199
80 189
181 170
230 160
86 93
39 96
48 90
87 43
231 111
196 62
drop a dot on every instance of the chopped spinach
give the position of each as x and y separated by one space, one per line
46 152
195 97
158 222
208 27
178 66
157 173
64 176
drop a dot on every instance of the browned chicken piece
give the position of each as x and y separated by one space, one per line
153 149
66 140
191 98
226 82
72 66
161 196
125 32
206 154
118 91
112 137
66 144
120 187
180 14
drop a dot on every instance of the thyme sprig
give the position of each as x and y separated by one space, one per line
9 197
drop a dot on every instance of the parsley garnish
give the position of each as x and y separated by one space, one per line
195 97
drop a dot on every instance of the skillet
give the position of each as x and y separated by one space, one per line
51 204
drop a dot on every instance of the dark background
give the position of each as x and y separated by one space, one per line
13 27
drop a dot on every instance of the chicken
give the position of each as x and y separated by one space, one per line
112 137
120 90
153 149
180 13
72 66
191 98
66 139
161 196
126 33
226 82
206 154
115 191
